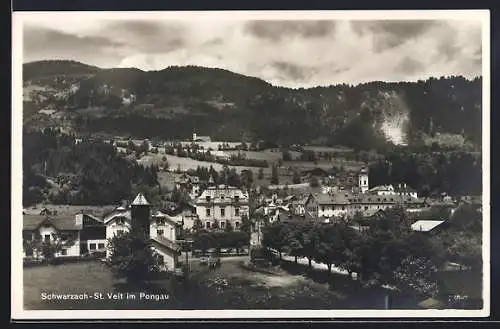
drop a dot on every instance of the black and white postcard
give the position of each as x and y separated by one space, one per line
288 164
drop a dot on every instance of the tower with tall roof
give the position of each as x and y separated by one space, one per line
363 180
140 212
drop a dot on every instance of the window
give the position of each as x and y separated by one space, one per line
46 237
222 224
237 198
322 208
161 260
100 246
237 224
207 224
366 207
159 232
92 246
207 198
29 251
222 212
207 212
64 252
222 197
119 232
237 211
343 207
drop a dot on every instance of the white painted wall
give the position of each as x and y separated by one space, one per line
113 228
169 259
332 210
167 227
96 242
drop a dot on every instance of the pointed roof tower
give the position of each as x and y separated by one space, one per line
140 200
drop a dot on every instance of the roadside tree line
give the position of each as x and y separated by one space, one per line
386 251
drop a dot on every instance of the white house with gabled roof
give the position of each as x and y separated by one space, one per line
162 229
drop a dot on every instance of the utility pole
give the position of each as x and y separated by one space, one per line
186 247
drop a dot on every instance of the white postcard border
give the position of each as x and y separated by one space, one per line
17 310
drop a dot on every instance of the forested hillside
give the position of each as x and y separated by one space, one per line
174 102
57 169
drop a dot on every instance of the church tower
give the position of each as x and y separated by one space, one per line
363 180
140 211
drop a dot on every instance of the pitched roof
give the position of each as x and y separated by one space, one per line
381 188
167 243
372 212
336 198
140 200
159 214
60 223
122 214
426 225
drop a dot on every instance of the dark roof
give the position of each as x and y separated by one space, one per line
164 242
345 197
336 198
316 172
140 200
60 223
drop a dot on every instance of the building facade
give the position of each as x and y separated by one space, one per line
160 228
400 190
347 204
222 205
51 229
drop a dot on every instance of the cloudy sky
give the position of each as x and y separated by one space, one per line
292 53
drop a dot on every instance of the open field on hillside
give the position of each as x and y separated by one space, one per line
270 157
69 209
175 162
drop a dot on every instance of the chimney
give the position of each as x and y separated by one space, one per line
79 219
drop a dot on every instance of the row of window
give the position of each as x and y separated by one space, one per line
222 224
96 246
222 197
222 212
359 207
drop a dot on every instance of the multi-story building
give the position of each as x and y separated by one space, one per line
53 229
83 233
345 204
189 183
400 189
222 205
159 227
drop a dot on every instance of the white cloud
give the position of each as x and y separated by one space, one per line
295 55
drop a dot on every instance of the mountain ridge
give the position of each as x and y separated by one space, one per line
48 61
176 100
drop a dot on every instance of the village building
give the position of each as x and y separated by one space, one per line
184 215
222 205
54 229
189 183
400 189
158 226
92 235
347 204
205 139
